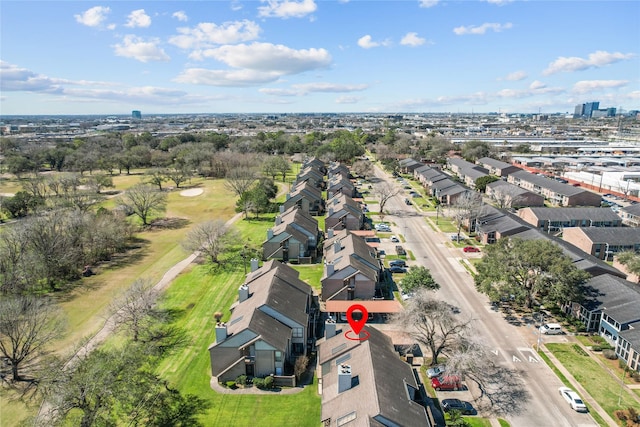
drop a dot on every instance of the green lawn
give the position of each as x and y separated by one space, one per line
196 295
311 273
598 383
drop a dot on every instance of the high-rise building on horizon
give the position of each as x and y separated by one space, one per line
136 114
586 110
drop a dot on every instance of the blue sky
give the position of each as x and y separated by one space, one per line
86 57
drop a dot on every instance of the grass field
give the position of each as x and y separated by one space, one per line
601 386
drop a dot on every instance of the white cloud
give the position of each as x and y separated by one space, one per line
537 84
138 18
428 3
233 78
93 17
515 76
412 39
140 50
482 29
207 34
180 16
586 86
348 99
287 9
499 2
595 60
366 42
307 88
267 57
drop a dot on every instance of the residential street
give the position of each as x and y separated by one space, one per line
532 399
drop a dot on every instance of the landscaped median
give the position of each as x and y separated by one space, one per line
601 386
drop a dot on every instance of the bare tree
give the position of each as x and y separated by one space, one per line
466 208
178 176
240 180
133 308
506 196
157 177
433 323
210 238
363 168
144 200
383 191
27 325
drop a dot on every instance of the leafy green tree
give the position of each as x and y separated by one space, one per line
178 176
270 166
631 260
475 149
419 277
481 183
157 177
529 270
21 204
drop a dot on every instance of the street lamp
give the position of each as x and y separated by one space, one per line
244 259
541 318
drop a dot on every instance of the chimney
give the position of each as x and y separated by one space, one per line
330 233
278 220
337 246
329 328
330 211
281 209
288 196
330 269
269 234
254 264
344 378
243 292
221 332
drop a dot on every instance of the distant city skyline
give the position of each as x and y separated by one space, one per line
113 57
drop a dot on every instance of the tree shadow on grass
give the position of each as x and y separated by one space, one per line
160 224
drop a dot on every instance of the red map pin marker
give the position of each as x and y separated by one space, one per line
357 325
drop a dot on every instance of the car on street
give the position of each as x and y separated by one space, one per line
395 239
397 269
456 238
400 250
446 382
456 404
398 262
436 371
407 201
470 249
382 227
573 399
551 329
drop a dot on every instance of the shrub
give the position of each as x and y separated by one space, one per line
596 348
636 376
609 354
231 385
268 383
258 382
241 380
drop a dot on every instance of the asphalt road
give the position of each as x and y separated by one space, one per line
528 395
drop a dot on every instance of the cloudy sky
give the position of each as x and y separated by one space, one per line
85 57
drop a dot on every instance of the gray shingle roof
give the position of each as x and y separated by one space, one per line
622 236
550 184
568 214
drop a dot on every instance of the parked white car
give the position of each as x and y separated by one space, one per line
572 399
551 329
382 227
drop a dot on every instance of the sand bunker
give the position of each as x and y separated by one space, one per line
192 192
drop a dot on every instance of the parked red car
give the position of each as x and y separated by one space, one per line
471 249
446 382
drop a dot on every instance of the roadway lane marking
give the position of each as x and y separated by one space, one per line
494 352
529 354
515 359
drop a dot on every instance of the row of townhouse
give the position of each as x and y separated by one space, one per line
611 309
275 318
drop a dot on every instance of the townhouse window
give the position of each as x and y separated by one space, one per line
278 356
298 333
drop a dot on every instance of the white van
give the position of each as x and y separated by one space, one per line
551 329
